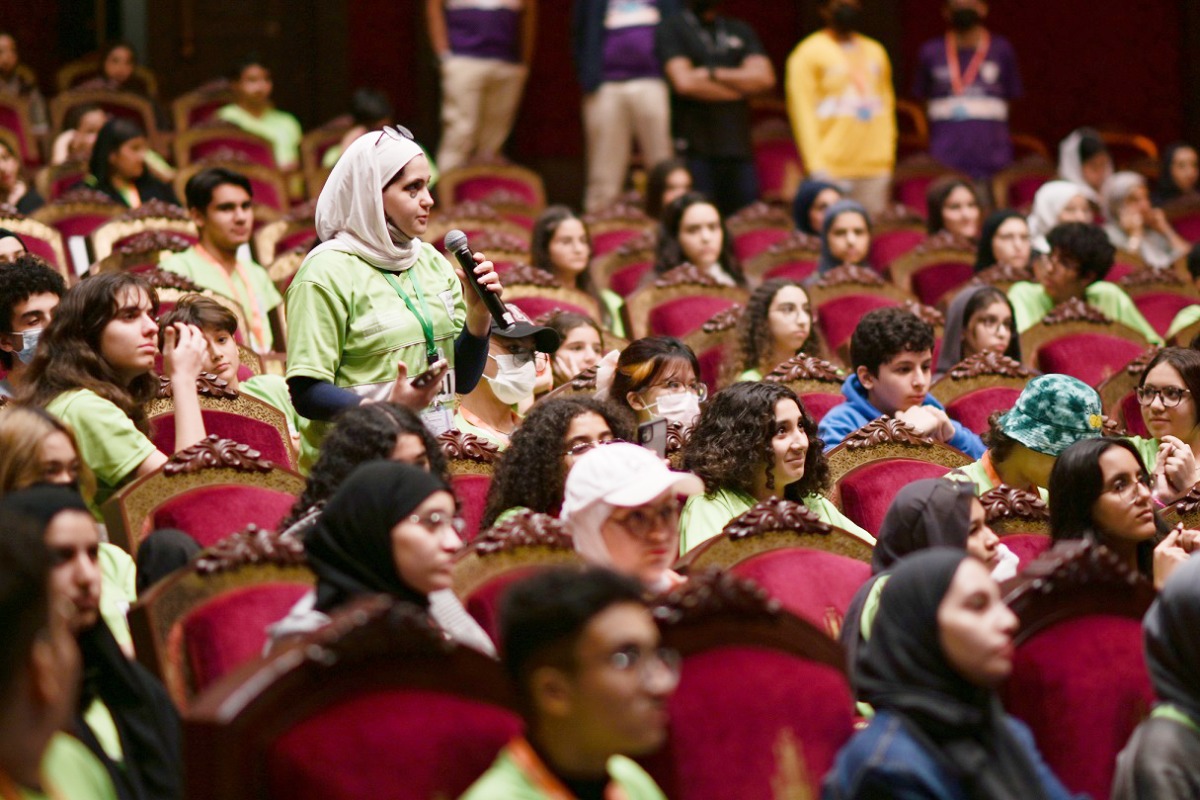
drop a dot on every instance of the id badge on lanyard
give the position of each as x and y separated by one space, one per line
438 416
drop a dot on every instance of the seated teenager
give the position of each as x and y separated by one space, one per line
1084 160
555 434
220 203
94 371
1178 174
1076 264
29 292
693 232
812 200
252 111
390 528
980 318
1167 393
491 410
1054 203
370 110
1159 763
592 682
76 142
39 679
1004 241
1052 413
754 441
1188 315
891 351
621 506
15 190
666 181
1136 227
125 717
561 247
657 376
12 246
582 345
779 322
1100 491
941 644
118 166
953 214
845 236
118 62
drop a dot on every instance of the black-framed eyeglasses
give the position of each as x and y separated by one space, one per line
436 521
1171 395
397 132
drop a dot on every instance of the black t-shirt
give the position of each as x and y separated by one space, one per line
709 128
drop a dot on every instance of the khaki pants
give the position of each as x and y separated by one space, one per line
480 97
612 116
873 193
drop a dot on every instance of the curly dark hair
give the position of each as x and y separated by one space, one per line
26 276
732 441
755 329
884 333
668 253
363 433
531 472
1086 245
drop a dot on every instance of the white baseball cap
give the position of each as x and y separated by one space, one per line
624 475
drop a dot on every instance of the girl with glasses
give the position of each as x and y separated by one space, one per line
979 319
779 322
658 376
1167 394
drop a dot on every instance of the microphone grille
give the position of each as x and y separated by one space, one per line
455 240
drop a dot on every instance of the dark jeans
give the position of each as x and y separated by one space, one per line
732 183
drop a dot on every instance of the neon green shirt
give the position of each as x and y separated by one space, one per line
750 375
118 590
977 474
73 772
279 128
505 779
261 294
614 304
273 390
1030 303
1187 316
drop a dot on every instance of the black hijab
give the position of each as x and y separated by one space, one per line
802 204
1172 634
903 670
1166 189
145 717
350 546
985 256
935 512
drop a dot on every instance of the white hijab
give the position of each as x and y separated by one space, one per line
1048 203
350 216
1118 187
1070 165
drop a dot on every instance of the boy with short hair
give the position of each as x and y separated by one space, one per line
29 293
892 354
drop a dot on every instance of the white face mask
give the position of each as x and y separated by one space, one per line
29 343
513 382
682 408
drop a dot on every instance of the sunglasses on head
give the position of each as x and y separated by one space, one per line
397 132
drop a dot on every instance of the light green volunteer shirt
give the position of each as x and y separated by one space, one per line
280 128
273 390
350 328
1187 316
1030 303
505 779
73 772
260 292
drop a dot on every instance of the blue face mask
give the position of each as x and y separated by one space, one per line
29 343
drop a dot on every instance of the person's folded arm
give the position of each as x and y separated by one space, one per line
695 82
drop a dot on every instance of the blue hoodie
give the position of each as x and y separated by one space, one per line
857 411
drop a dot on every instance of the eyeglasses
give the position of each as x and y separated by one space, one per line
1171 395
697 388
522 356
583 447
397 132
1055 261
1023 238
1127 490
641 522
993 324
436 521
635 659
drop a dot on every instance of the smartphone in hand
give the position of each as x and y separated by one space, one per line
653 436
432 375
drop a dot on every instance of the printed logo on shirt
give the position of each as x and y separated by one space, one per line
631 14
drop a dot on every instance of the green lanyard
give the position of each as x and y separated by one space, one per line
1168 711
426 321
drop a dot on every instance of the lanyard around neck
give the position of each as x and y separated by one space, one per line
958 81
424 318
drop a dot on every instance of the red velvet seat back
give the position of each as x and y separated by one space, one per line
258 153
625 280
912 192
1135 423
753 242
402 744
712 362
230 630
818 404
683 315
1082 687
1160 308
1188 226
80 224
484 603
482 187
812 584
974 408
536 306
267 194
839 317
734 708
792 270
868 490
1119 270
607 241
262 436
42 249
1022 191
773 160
1090 357
65 181
1027 546
887 246
300 238
202 112
211 513
933 282
471 491
182 235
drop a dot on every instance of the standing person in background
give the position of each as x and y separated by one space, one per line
842 106
624 93
968 78
485 48
714 63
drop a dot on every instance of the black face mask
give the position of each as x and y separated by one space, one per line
845 18
702 7
963 19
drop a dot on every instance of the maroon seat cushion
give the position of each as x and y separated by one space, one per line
1160 308
886 247
230 629
734 709
625 280
536 306
867 491
933 282
481 188
261 436
211 513
402 744
812 584
1082 687
753 242
1188 226
839 317
42 249
683 315
471 491
1090 357
913 191
818 403
774 159
1027 546
1119 270
484 603
792 270
712 362
1022 191
607 241
257 152
974 408
1135 423
80 225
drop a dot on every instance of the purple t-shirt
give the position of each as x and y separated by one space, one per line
485 28
629 40
969 132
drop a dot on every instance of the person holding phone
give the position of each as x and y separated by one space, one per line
379 304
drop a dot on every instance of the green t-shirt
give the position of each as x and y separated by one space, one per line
750 375
280 128
273 390
261 293
109 443
614 304
506 780
1030 303
118 590
1187 316
460 422
977 474
73 772
704 516
1147 449
350 328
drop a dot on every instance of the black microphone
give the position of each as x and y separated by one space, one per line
456 243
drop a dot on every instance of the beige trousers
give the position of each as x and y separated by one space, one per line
613 115
480 97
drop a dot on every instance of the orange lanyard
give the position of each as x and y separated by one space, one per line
9 790
958 81
536 772
856 64
254 311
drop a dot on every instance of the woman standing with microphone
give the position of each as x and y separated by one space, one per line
373 304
